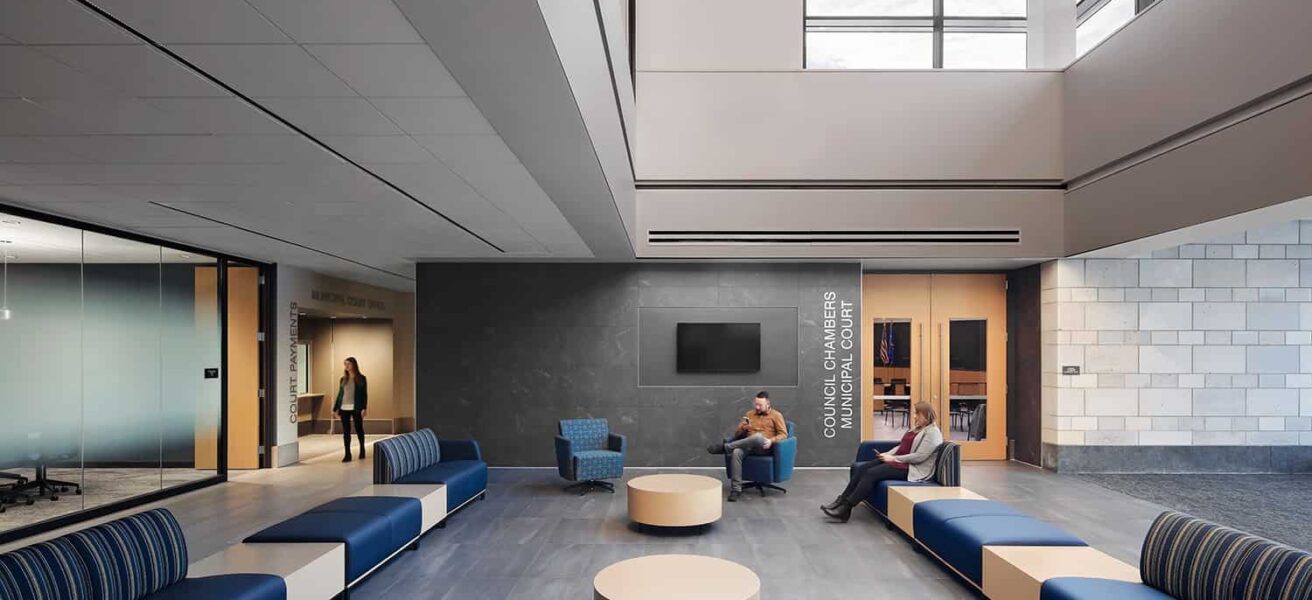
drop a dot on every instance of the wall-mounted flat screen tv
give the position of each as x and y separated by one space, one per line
719 347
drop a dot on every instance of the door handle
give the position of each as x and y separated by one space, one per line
938 352
920 364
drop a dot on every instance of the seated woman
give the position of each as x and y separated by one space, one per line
912 460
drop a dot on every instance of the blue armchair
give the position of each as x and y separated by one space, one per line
587 452
762 471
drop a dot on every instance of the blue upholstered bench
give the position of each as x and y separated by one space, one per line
140 556
373 528
420 457
1191 559
947 471
956 531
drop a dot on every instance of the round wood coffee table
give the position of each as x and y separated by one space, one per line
676 577
674 500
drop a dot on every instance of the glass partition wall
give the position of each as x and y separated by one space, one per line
111 354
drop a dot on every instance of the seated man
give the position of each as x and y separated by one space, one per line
758 430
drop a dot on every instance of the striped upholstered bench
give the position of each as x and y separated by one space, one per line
420 457
1191 559
140 556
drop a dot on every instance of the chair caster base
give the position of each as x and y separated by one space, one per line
761 487
590 485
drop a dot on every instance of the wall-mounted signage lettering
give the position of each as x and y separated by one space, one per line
294 337
839 363
211 373
331 297
1070 370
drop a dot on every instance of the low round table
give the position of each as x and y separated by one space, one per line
674 500
676 577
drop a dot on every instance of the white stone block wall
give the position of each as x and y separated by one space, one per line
1202 344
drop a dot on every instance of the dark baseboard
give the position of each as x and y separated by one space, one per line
1177 459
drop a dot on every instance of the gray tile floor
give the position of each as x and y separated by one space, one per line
531 540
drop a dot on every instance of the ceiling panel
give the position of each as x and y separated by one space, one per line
260 149
411 69
26 72
136 70
435 115
196 21
220 115
339 21
265 70
98 116
50 22
468 149
27 150
332 116
379 148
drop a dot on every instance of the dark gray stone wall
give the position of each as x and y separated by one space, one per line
506 350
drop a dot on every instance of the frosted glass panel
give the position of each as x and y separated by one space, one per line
41 371
122 368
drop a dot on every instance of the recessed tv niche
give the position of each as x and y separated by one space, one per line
719 347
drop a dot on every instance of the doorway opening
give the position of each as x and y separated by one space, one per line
324 342
941 339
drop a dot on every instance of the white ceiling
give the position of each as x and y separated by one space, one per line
98 125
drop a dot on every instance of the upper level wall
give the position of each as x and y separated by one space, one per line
721 95
1177 65
886 125
719 35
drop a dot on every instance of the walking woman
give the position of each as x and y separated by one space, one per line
352 404
912 460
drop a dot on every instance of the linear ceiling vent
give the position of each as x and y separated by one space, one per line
867 237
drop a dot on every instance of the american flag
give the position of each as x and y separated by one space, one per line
886 344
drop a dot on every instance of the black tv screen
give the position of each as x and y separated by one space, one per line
719 347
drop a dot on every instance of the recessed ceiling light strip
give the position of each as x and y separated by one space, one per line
275 116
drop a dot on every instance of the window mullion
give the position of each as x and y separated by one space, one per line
938 34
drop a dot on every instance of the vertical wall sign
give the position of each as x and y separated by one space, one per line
838 358
294 337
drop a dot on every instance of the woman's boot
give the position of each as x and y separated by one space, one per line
842 513
832 505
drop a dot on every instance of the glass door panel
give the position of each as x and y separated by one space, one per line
892 392
967 379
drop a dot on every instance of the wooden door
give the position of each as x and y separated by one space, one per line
969 389
895 325
940 338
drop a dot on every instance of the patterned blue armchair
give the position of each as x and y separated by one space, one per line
764 471
587 452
